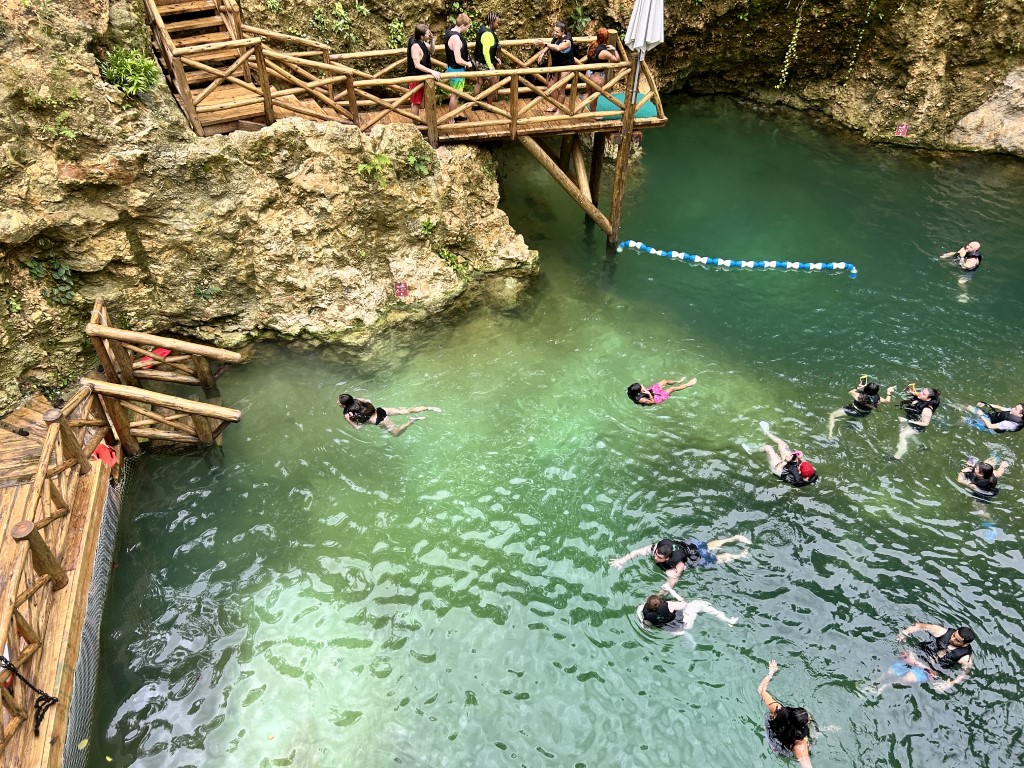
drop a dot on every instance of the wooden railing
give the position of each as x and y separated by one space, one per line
33 562
275 74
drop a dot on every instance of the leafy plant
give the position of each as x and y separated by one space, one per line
60 129
13 305
427 226
131 71
375 170
418 164
454 262
206 291
274 6
455 9
396 34
578 19
338 20
791 51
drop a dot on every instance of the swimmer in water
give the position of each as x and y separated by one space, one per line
1000 419
919 405
787 728
946 648
865 400
967 258
657 393
676 616
982 477
358 412
674 556
788 465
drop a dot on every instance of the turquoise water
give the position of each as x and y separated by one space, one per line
324 597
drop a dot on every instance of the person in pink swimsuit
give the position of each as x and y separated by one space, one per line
656 393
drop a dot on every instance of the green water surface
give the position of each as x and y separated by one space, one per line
319 596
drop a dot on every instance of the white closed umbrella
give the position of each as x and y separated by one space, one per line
646 26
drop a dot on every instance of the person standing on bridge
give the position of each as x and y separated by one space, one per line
417 62
456 54
485 57
559 51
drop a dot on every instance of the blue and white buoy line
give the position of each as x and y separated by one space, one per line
805 266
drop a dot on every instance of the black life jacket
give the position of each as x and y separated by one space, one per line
479 52
791 474
985 486
682 552
449 56
866 403
596 58
915 407
410 69
562 58
997 416
950 658
660 617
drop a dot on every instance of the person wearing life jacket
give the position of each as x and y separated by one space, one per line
786 464
599 52
485 53
919 405
456 55
418 51
675 617
981 477
787 728
949 649
1000 419
673 556
865 400
559 51
358 412
967 258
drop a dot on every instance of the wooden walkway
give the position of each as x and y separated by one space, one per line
229 76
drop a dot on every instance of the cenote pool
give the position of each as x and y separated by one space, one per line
324 597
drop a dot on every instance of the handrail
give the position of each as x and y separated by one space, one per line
175 345
159 399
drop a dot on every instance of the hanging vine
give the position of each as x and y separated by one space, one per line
860 39
791 51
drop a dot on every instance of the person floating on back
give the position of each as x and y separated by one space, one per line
676 616
658 393
981 477
1000 419
786 728
674 556
948 649
358 412
865 400
967 258
786 464
919 405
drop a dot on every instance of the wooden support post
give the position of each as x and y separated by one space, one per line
622 161
96 407
580 166
43 561
567 184
123 362
430 105
68 440
261 73
353 101
109 371
57 497
513 107
326 54
565 149
596 166
206 380
203 431
122 426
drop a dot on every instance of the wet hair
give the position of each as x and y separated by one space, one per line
359 410
983 469
633 391
345 400
871 388
419 31
966 634
664 547
653 603
790 725
602 39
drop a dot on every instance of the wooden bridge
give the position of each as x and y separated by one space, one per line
56 466
229 76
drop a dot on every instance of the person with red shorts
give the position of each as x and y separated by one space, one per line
417 62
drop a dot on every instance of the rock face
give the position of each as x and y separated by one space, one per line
304 231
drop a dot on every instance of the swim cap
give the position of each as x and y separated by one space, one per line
806 469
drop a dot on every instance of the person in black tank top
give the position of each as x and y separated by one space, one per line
559 50
1000 419
946 647
865 400
674 556
599 52
456 55
788 728
919 405
418 51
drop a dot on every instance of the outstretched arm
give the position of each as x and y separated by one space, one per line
618 562
965 666
933 629
802 753
762 687
998 471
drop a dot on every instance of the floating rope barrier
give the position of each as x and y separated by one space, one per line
805 266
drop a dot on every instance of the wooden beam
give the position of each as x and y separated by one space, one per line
566 183
175 345
580 166
596 166
136 395
622 161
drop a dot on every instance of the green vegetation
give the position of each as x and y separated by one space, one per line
376 170
578 19
396 34
60 128
54 389
456 8
55 271
206 291
421 164
427 226
13 305
131 71
454 262
791 51
338 20
274 6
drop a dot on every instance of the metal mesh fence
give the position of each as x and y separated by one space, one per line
83 694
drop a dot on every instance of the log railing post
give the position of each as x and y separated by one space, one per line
622 161
261 73
203 431
513 106
430 103
68 440
122 426
123 361
353 101
96 408
43 561
205 376
596 165
57 497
